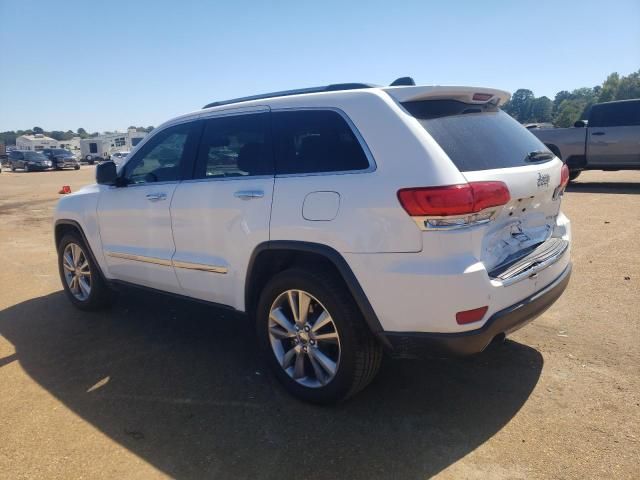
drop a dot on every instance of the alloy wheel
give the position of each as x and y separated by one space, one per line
304 338
77 271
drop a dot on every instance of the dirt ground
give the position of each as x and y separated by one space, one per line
158 387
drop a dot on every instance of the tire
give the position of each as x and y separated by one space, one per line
573 174
77 167
13 167
89 159
26 167
99 295
358 354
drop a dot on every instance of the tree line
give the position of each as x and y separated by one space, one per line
524 106
9 137
567 107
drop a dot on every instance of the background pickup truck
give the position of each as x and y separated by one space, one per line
608 140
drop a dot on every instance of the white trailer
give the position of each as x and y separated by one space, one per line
95 149
101 147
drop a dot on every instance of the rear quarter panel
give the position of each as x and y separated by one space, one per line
370 218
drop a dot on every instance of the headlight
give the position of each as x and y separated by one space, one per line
47 162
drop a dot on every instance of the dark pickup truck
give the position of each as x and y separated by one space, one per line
608 140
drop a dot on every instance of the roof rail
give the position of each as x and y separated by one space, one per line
285 93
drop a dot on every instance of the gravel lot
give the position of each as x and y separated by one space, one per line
157 387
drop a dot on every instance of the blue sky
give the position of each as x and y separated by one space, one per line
108 65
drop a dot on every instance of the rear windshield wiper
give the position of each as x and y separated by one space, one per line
538 155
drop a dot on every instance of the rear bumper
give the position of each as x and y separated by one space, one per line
420 344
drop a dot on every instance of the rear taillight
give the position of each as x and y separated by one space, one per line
564 176
564 181
468 203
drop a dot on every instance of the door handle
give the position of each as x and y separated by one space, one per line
154 197
594 134
249 194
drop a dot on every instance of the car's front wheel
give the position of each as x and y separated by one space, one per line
314 337
80 277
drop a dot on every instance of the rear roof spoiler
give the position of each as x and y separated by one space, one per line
462 94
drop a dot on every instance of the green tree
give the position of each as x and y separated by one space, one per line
37 130
610 88
82 133
8 137
629 87
519 107
569 112
148 129
560 97
542 110
57 135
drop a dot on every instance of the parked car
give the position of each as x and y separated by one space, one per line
119 157
28 160
61 158
344 220
607 140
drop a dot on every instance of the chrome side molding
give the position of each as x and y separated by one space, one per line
169 263
199 266
140 258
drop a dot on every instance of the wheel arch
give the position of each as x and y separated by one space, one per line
64 226
274 256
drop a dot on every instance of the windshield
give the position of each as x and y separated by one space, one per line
478 137
34 156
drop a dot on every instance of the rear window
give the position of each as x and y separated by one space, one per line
478 137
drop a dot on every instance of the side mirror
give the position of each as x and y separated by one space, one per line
580 124
106 173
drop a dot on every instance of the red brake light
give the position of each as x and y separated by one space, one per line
564 176
483 97
470 316
453 199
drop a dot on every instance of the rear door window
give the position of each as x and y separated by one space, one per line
316 141
620 114
235 146
478 137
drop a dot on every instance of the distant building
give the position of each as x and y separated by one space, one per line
72 145
102 146
36 142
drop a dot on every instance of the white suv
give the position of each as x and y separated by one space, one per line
347 220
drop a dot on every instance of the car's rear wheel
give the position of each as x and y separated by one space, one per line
80 276
26 167
573 174
314 337
77 167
